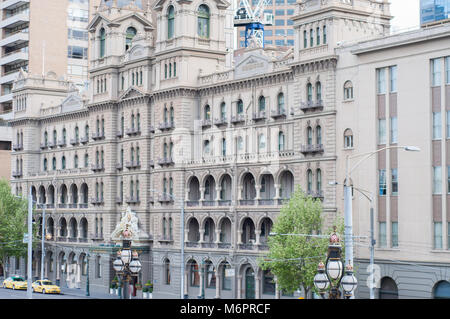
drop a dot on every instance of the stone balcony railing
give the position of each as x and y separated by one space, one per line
17 147
166 126
206 123
51 144
259 116
133 164
119 166
151 129
165 199
98 136
311 105
165 161
74 141
44 146
62 143
312 149
216 77
72 171
220 121
84 139
17 174
97 201
275 114
132 200
119 134
237 118
133 131
97 167
315 194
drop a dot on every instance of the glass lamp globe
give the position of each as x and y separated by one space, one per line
349 281
321 281
135 265
118 265
125 255
334 268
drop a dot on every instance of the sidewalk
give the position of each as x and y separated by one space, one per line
81 293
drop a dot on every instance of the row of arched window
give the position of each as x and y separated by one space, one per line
129 35
170 70
318 92
101 85
64 134
310 135
63 166
203 22
315 37
135 122
136 78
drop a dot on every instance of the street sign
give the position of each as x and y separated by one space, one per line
25 238
229 272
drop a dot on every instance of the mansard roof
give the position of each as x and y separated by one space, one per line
221 4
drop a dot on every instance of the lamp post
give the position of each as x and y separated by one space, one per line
348 218
87 273
126 265
331 276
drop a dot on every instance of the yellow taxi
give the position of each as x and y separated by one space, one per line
45 286
15 282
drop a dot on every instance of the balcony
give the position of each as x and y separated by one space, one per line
73 205
220 122
17 147
119 200
15 38
315 194
266 202
14 57
246 246
132 200
96 201
224 202
51 144
84 140
224 245
9 77
276 114
62 205
134 164
165 161
119 166
209 245
206 123
119 134
151 129
209 203
311 106
133 131
12 4
17 174
312 149
164 239
259 116
192 244
62 143
74 141
192 203
98 136
83 205
6 98
166 126
97 167
15 20
237 119
44 146
165 199
151 164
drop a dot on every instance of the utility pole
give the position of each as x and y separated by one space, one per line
30 245
372 247
182 247
42 244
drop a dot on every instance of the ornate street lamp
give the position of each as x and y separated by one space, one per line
331 274
126 264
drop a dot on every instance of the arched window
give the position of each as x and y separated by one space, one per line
223 111
45 138
102 42
170 228
305 39
324 34
318 36
131 33
167 272
240 144
318 91
203 21
348 90
45 164
239 107
171 115
63 162
77 134
170 70
75 161
348 138
224 147
318 180
262 142
165 150
207 114
318 135
206 147
309 180
171 186
86 131
86 160
280 104
441 290
261 104
165 71
170 22
54 163
174 69
55 135
309 92
311 37
309 135
165 114
165 186
388 289
281 141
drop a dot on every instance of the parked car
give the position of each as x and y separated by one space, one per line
15 282
45 286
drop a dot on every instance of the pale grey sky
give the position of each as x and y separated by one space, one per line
406 14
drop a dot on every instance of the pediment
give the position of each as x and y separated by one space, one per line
253 64
96 20
221 4
137 17
72 103
132 92
136 52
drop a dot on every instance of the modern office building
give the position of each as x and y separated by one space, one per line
432 11
281 33
166 125
29 40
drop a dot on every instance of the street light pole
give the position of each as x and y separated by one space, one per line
372 248
30 245
42 242
182 249
87 279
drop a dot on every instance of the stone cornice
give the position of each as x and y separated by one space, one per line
174 92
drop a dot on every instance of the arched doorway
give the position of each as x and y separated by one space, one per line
441 290
249 283
388 289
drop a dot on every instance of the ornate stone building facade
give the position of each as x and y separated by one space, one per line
167 126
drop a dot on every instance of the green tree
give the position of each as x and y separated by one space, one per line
294 259
13 224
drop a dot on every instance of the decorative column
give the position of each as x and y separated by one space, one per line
78 275
202 193
186 278
257 235
257 285
202 232
186 235
277 191
217 241
239 287
277 289
202 280
239 235
258 192
218 277
218 190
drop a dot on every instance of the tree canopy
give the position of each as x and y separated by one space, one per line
294 256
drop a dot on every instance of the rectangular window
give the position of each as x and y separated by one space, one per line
394 133
381 81
279 22
290 42
279 32
393 78
448 235
267 33
437 235
279 12
437 126
381 131
289 12
394 235
279 42
394 181
75 52
447 69
382 234
279 1
448 179
436 72
382 182
437 180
